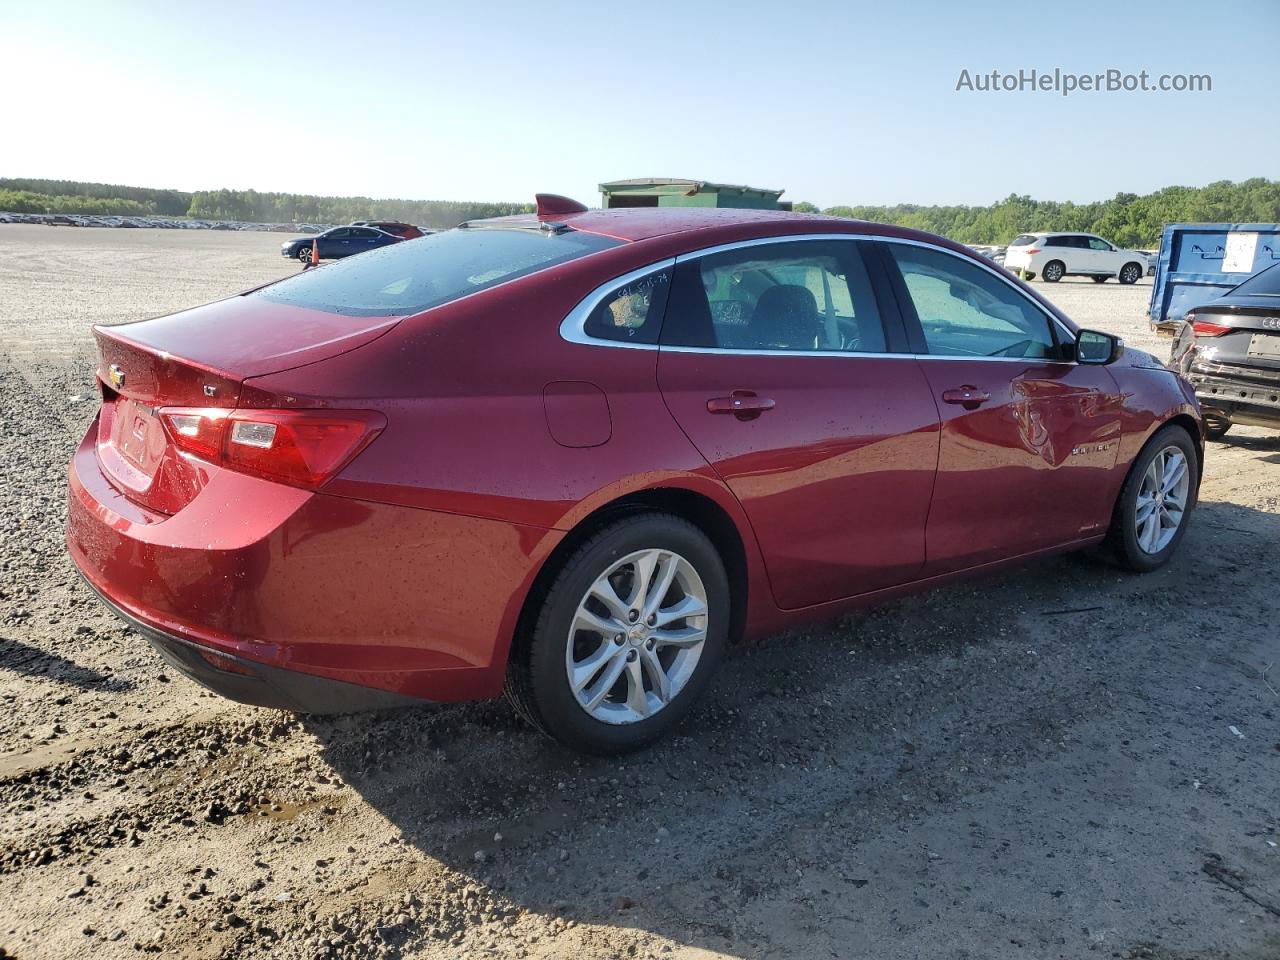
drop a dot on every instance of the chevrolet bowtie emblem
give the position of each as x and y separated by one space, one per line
116 376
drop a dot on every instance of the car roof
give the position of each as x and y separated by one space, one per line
647 223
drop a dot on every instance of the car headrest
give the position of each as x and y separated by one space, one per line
786 318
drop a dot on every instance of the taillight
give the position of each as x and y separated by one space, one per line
1031 250
302 448
1204 328
197 431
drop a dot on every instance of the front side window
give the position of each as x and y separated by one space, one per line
811 295
342 233
965 311
403 278
633 312
1096 244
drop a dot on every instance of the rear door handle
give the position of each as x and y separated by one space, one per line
743 404
968 396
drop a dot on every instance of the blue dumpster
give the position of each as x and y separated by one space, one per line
1200 262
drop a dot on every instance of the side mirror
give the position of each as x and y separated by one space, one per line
1099 348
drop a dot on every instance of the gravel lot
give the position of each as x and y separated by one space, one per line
1063 761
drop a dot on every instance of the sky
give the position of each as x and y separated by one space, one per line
836 102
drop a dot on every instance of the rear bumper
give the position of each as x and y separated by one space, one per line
277 580
1241 395
247 681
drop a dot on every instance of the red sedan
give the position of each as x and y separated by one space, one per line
578 453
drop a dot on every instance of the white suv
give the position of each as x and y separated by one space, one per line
1052 256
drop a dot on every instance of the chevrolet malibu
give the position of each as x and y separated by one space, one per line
577 454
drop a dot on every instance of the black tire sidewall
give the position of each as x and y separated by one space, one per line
1215 428
1124 530
557 709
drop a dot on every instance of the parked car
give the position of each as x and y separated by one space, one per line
405 231
1052 256
337 242
576 454
1229 348
1153 258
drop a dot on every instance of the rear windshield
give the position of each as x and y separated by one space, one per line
1023 240
416 275
1264 284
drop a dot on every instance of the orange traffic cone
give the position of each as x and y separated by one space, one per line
315 252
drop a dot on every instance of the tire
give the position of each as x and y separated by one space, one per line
1101 279
622 719
1124 543
1130 273
1053 271
303 254
1215 428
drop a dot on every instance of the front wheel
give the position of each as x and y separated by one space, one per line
1155 503
303 254
627 637
1053 271
1130 273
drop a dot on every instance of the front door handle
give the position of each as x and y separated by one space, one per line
743 404
968 396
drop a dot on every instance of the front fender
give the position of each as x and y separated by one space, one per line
1151 396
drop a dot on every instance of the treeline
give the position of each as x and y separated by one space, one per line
74 196
105 199
24 201
292 207
1126 219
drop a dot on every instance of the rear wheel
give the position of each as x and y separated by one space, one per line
627 637
1053 271
1155 503
1130 273
1215 428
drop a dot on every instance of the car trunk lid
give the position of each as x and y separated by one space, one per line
199 359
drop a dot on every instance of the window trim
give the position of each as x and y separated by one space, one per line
572 327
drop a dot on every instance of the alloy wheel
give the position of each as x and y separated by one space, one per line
1129 274
1162 500
1053 272
637 636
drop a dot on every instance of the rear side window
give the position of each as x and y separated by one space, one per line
1057 241
415 275
1023 240
633 312
1264 284
811 295
965 311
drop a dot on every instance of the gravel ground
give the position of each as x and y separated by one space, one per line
1061 761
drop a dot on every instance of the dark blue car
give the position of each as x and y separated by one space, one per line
338 242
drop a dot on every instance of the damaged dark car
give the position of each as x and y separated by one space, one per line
1229 349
